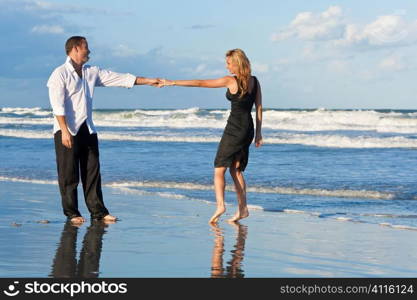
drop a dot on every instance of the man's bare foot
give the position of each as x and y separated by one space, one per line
77 220
240 214
109 219
217 214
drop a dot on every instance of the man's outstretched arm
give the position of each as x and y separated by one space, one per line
147 81
127 80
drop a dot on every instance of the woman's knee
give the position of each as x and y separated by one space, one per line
219 171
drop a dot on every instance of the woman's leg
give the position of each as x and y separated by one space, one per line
240 187
219 186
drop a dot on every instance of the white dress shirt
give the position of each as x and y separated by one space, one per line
72 96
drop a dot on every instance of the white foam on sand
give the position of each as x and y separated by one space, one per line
343 219
255 189
196 186
255 207
390 216
398 226
26 180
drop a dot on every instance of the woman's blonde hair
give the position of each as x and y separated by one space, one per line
240 59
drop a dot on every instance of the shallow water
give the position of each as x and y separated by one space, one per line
353 165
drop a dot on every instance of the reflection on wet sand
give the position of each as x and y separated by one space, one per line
65 263
234 266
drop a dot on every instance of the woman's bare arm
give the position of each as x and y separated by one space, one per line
258 107
226 81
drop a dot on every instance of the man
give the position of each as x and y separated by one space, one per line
71 88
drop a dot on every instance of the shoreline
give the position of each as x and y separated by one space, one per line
170 237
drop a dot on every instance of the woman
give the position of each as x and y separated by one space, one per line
243 90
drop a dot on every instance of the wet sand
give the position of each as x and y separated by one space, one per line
160 236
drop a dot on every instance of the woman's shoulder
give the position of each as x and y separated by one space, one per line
230 78
255 81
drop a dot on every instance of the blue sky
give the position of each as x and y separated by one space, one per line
307 54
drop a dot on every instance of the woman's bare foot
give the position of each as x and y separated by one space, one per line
77 220
109 219
240 214
219 211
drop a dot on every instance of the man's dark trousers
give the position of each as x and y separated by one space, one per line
82 158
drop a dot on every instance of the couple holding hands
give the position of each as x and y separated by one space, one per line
71 89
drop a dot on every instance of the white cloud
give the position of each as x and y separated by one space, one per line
331 26
48 29
327 25
384 31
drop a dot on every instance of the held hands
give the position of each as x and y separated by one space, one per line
154 82
165 82
158 82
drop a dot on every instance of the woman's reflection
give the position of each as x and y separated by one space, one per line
234 266
65 263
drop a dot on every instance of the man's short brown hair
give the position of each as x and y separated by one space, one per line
74 41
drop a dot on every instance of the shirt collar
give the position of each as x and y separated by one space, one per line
69 65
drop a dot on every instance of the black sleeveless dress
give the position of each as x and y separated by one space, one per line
239 131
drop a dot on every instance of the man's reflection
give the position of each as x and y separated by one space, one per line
65 263
234 266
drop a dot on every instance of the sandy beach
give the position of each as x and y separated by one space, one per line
164 236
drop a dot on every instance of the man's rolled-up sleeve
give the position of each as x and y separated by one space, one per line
56 95
110 78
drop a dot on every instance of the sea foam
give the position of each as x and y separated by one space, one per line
290 120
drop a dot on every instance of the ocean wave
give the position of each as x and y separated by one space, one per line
181 118
340 141
311 121
35 111
147 138
26 121
327 141
110 136
192 110
334 120
27 180
258 189
292 120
